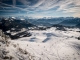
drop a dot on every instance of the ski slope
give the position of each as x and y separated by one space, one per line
50 44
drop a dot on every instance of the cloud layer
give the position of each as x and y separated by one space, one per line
44 7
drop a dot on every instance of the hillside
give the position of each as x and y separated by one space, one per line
50 44
15 28
14 24
70 22
78 25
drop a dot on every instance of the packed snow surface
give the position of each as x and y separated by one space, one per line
50 44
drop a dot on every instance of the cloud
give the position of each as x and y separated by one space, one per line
72 6
76 15
63 6
25 2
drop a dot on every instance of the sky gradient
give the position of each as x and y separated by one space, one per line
40 8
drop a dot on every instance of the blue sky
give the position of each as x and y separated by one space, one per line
40 8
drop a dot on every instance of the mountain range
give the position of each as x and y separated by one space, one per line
17 28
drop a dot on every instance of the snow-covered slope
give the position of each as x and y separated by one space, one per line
50 44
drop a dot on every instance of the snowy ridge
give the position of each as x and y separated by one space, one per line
50 44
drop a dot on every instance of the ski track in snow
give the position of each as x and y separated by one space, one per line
50 45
